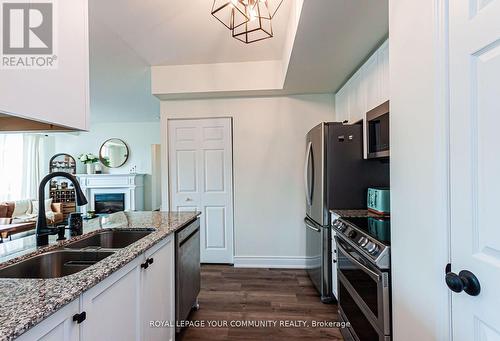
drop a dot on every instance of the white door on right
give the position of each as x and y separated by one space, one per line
474 53
201 178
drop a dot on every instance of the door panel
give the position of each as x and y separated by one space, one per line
216 227
475 163
184 134
186 170
213 133
200 162
214 170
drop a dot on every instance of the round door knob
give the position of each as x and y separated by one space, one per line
464 281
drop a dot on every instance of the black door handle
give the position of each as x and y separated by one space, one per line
79 318
150 261
145 265
464 281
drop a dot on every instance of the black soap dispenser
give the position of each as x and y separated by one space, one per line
75 224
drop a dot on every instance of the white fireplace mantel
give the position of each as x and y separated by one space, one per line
132 185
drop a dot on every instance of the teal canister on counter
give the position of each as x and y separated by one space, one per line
379 200
380 228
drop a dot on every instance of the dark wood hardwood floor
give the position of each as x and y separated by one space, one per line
236 294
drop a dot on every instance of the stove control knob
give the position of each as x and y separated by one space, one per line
352 234
375 251
363 241
371 247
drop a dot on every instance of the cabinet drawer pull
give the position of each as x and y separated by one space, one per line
79 318
150 261
145 265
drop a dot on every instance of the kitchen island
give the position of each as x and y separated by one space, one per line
28 303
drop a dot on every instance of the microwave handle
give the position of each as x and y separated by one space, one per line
373 274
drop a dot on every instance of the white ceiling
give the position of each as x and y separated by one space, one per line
334 37
128 36
180 32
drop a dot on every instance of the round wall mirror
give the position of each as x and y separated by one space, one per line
113 153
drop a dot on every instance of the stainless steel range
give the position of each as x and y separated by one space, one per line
363 269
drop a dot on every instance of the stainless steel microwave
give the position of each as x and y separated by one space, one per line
377 132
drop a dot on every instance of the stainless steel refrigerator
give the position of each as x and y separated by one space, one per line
336 177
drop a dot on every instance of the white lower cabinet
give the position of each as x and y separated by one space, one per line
122 306
57 327
112 307
158 285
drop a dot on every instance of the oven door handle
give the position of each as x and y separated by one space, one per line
377 276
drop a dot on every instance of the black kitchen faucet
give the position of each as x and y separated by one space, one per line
42 230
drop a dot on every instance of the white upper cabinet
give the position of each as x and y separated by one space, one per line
46 77
357 97
372 80
366 89
383 57
342 105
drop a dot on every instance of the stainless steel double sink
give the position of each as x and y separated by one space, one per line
75 256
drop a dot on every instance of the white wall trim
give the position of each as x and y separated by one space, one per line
165 189
443 164
277 262
424 61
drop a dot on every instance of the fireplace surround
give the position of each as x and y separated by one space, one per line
112 187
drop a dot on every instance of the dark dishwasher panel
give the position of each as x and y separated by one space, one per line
187 263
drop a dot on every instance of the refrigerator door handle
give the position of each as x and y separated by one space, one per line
306 177
311 226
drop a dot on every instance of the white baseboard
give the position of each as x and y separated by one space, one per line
279 262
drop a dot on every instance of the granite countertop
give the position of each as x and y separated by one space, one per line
356 213
352 213
26 302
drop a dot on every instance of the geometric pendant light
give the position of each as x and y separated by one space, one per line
249 20
230 13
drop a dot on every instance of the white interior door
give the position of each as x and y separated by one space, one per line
475 165
201 178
